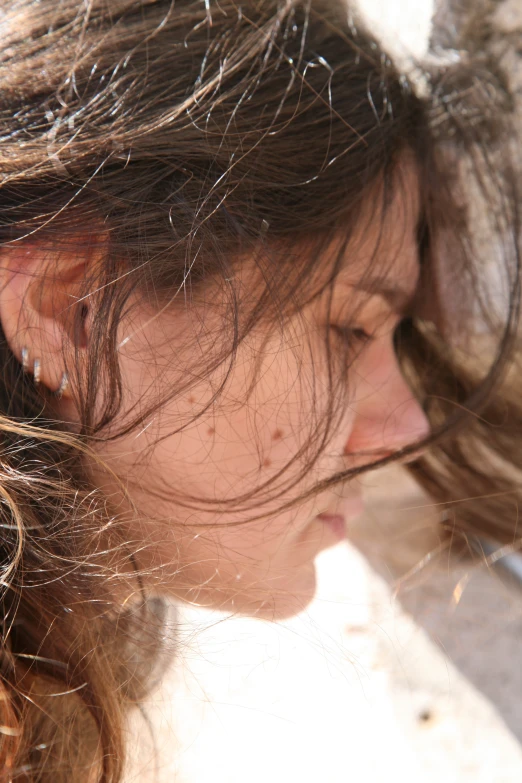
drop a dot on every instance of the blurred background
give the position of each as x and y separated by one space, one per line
407 665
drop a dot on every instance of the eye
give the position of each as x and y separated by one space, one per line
352 335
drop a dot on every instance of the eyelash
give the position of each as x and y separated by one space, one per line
350 335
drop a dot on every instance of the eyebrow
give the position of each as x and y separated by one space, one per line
399 299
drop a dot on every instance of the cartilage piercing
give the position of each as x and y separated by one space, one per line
37 371
63 386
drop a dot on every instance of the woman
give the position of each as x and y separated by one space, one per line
236 274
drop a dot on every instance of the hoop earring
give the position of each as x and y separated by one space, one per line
37 371
63 386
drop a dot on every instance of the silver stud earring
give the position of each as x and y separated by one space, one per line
37 371
63 386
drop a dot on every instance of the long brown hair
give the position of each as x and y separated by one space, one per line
185 136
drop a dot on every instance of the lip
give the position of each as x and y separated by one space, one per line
336 520
336 524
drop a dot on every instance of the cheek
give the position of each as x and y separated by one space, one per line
183 482
244 440
377 365
223 456
241 443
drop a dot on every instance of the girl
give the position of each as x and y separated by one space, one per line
236 272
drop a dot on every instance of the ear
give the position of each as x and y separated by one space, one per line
43 307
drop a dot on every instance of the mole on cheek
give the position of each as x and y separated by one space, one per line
277 435
211 431
191 399
267 462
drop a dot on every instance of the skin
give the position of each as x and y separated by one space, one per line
217 555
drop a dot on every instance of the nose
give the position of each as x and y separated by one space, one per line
387 415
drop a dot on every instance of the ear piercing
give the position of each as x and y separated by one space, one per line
37 373
37 365
64 383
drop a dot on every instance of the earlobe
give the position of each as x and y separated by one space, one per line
35 367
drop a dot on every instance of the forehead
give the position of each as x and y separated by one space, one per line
385 243
381 254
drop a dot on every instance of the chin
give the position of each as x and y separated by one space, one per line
277 598
292 598
280 599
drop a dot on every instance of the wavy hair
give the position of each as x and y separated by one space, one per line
180 137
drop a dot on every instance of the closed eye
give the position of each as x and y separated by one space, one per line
352 335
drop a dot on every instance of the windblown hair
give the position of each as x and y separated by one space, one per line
182 136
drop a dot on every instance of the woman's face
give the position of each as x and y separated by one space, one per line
263 417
